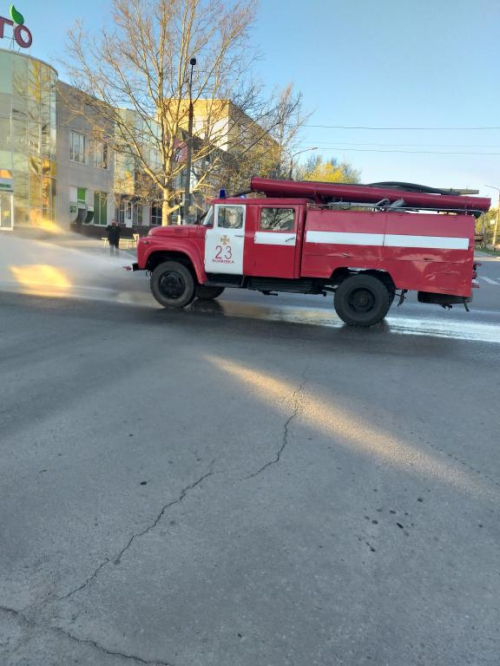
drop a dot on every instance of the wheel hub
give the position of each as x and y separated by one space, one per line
361 301
172 285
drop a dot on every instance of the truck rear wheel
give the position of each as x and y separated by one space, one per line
362 300
208 293
172 284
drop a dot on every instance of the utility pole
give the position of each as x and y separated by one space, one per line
495 229
187 189
306 150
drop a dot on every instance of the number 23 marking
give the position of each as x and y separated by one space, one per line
227 254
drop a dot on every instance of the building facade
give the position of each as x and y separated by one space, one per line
58 172
28 139
54 174
86 169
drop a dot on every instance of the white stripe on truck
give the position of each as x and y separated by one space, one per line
429 242
274 238
341 238
387 240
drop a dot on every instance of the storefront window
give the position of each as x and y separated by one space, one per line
20 76
6 76
4 134
5 104
6 202
101 208
28 135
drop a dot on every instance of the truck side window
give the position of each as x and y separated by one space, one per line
277 219
230 217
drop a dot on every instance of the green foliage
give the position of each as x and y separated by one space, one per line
485 226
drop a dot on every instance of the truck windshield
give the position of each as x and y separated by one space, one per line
208 220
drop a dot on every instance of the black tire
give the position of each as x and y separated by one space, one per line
208 293
362 300
172 284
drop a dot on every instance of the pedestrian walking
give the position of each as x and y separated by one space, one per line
114 232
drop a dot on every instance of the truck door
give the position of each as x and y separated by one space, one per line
272 246
224 242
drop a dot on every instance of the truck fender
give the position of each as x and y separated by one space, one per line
177 251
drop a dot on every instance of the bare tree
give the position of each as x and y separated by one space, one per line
137 78
289 123
266 148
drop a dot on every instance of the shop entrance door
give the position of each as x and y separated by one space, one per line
6 211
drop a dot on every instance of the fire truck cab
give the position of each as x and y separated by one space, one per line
361 243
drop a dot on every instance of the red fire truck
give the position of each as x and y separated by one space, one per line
363 243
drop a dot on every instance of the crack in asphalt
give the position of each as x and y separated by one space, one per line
117 558
87 582
286 425
112 653
83 641
17 613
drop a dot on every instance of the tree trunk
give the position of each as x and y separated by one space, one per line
166 208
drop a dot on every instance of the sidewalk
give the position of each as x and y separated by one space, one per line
485 256
94 245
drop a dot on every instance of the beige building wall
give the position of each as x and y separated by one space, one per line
76 174
224 124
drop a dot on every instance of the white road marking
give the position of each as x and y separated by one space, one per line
489 280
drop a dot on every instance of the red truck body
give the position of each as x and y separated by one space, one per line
314 237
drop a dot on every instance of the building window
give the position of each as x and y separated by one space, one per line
101 208
277 219
77 147
155 215
120 211
101 155
81 195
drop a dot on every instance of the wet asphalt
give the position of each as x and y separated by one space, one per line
245 482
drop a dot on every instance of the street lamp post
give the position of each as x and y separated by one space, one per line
306 150
187 189
495 230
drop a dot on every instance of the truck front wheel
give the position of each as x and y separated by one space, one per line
362 300
208 293
172 284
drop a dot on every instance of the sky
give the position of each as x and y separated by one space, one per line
364 64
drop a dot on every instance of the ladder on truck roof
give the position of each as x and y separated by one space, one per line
388 195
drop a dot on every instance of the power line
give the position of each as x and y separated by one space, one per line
400 145
413 152
420 129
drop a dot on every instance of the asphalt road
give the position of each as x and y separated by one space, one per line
246 483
